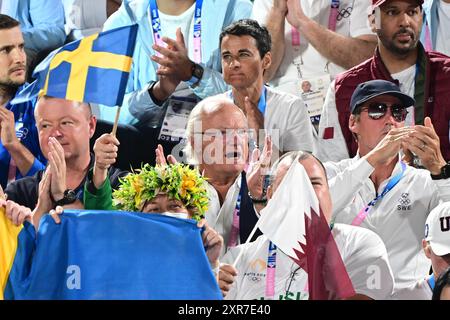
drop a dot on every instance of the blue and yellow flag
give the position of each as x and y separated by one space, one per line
94 69
106 255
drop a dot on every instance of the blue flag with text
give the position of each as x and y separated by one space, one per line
107 255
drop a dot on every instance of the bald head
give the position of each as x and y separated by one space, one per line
70 122
47 101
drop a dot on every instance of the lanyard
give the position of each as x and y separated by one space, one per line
233 240
431 281
262 103
156 26
391 184
428 42
270 271
295 35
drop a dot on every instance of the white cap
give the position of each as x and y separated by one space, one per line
437 229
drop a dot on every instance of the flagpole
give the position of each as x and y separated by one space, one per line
116 122
246 242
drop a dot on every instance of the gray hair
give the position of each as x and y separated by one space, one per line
207 106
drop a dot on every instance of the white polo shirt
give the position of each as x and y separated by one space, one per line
352 22
419 291
398 218
362 251
286 120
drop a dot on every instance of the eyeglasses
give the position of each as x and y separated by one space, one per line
377 111
214 133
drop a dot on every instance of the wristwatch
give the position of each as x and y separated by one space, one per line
197 74
254 200
445 173
69 197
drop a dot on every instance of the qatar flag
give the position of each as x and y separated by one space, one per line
293 221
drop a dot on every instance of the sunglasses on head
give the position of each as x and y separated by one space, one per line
378 110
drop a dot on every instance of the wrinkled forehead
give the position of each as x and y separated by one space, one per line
227 116
49 107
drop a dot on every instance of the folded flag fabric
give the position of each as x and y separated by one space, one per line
94 69
108 255
294 222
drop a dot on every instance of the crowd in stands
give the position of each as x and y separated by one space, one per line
240 95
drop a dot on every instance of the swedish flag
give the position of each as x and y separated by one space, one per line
94 69
105 255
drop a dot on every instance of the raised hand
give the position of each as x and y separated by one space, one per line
254 116
424 142
105 150
259 168
388 147
213 243
15 212
295 15
174 59
7 128
161 158
57 163
227 276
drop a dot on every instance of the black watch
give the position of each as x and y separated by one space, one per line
197 74
254 200
69 197
445 173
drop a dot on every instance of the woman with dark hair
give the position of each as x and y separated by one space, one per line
442 288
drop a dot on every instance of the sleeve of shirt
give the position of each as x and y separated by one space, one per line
211 84
85 14
359 22
298 134
260 11
98 199
47 18
345 184
35 167
443 187
331 144
368 266
143 108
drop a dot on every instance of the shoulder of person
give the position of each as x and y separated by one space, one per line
359 239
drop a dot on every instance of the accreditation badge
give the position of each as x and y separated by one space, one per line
313 91
175 121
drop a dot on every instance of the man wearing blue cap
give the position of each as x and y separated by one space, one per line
401 59
379 191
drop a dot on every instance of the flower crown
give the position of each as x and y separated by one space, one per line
177 180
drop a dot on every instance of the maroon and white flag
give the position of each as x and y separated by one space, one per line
293 221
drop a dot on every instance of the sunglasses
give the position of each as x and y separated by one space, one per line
377 111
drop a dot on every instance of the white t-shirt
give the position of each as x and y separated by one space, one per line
286 120
220 218
362 252
185 22
406 79
419 291
443 34
352 22
398 218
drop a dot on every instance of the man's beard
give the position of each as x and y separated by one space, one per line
13 85
392 47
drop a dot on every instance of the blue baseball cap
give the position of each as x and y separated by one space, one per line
374 88
377 3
